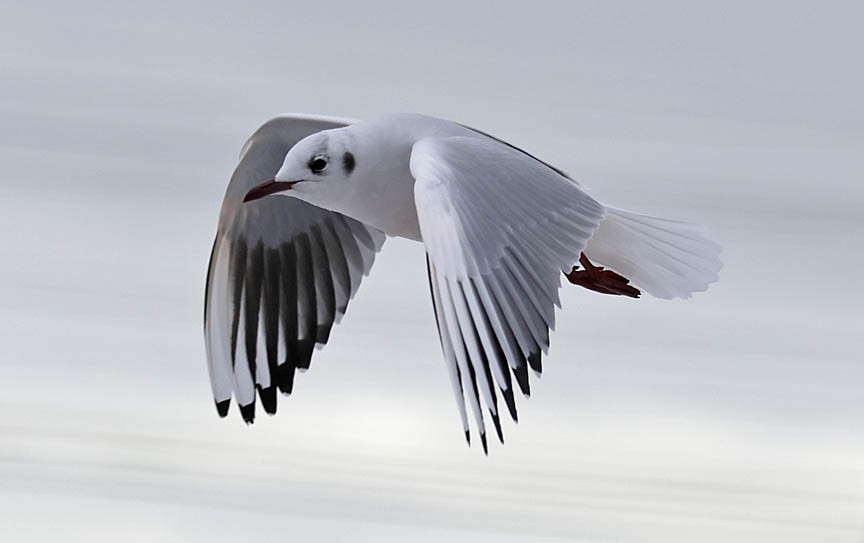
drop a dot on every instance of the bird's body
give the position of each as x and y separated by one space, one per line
499 226
381 191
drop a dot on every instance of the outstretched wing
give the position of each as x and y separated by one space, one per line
281 274
499 228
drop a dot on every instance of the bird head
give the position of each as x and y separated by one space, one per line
314 170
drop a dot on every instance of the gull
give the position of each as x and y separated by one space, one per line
313 199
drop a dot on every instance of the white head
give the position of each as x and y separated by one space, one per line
316 169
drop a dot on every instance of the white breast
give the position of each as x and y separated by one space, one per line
386 203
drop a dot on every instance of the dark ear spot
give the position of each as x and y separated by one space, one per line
348 162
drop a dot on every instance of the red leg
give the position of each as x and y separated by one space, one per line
601 280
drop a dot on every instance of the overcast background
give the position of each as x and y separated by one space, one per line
735 416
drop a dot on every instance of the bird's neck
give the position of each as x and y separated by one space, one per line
380 192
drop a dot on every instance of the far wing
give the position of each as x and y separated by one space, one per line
281 274
499 228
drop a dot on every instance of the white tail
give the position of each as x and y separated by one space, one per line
667 259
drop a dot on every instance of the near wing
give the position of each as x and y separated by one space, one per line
281 273
499 228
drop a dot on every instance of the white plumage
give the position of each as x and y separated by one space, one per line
499 226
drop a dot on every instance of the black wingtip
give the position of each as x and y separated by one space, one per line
301 352
485 445
285 377
248 412
222 408
521 374
497 421
534 360
511 404
268 399
468 437
322 334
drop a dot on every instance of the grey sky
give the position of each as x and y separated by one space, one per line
735 416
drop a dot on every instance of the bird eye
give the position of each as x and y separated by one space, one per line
318 164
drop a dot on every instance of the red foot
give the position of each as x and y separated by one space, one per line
601 280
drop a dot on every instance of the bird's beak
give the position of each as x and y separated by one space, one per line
271 186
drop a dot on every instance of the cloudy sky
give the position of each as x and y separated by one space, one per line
735 416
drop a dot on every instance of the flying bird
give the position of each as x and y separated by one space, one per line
313 199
